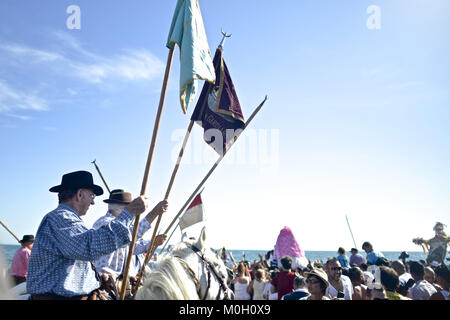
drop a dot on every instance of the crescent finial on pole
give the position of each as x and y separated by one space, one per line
225 35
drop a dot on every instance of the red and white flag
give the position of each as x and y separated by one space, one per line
193 214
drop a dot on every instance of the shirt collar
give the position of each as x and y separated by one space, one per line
109 215
67 207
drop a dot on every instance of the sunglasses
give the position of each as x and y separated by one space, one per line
336 268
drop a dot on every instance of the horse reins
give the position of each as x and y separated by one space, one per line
210 266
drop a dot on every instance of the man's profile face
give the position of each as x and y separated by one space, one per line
86 199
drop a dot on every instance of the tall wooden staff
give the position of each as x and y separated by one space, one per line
9 231
150 250
147 170
101 176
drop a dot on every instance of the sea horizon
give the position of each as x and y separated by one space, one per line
251 255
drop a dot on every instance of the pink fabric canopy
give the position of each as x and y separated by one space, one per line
287 245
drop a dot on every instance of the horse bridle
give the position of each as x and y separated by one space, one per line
209 267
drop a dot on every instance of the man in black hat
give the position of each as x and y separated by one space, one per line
19 264
113 263
60 265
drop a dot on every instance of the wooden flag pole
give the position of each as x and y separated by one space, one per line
101 176
194 193
150 250
153 249
147 170
10 231
180 156
213 168
168 239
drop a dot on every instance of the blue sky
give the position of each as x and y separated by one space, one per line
356 122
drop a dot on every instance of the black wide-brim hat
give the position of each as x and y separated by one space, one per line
119 196
78 180
27 238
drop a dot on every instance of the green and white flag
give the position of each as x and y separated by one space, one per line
188 32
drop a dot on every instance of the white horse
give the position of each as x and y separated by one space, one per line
5 281
190 271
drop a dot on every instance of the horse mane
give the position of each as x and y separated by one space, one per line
168 280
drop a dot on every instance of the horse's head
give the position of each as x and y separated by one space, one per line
191 267
212 273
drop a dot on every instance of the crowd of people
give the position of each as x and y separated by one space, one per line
358 277
68 260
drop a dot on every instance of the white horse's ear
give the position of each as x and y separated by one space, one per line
201 239
183 237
